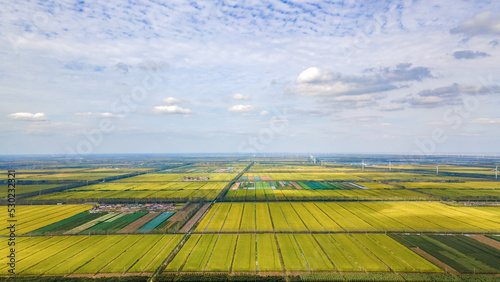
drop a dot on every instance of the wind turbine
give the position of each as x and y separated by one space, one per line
437 169
390 166
496 172
363 164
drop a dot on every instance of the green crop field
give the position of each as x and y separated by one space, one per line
463 254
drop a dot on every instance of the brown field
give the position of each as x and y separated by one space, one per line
194 219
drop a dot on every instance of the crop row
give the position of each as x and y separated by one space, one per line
463 254
106 223
296 252
322 194
311 176
92 254
161 177
346 216
30 218
173 190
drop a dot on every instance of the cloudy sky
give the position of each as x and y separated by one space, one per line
80 77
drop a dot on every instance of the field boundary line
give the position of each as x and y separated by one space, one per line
225 218
142 270
286 219
431 258
326 255
234 253
346 252
485 240
349 212
211 253
201 217
256 256
298 215
332 218
442 213
72 255
125 236
394 254
122 254
374 219
300 249
279 253
373 254
45 247
34 265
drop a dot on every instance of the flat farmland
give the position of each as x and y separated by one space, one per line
288 168
66 176
349 216
162 177
458 191
324 194
297 176
299 253
409 176
114 190
462 253
23 189
229 167
470 185
92 254
30 218
244 255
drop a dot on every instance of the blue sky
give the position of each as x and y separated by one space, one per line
89 77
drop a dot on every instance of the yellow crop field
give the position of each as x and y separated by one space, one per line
160 177
30 218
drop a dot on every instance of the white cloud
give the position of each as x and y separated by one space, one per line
28 116
99 115
311 74
314 82
363 97
242 109
486 121
241 97
483 23
390 107
264 113
171 101
171 110
446 95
